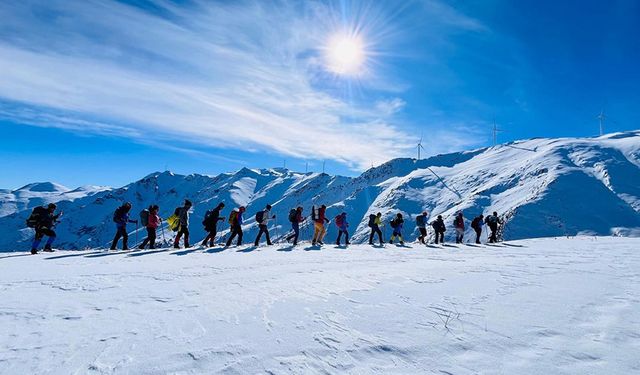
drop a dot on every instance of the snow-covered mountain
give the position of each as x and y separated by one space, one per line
541 187
41 193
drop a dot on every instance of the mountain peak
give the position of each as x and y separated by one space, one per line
44 187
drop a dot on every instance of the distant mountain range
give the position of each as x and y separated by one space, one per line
541 187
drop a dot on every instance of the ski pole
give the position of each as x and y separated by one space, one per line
164 240
136 232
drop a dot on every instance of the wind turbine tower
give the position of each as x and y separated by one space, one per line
495 132
420 145
601 117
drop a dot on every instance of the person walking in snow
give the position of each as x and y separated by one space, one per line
476 224
262 218
458 224
235 223
121 218
183 230
421 223
319 221
151 223
343 225
492 222
210 222
375 221
295 218
43 220
439 228
397 224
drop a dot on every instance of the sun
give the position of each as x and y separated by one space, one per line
345 54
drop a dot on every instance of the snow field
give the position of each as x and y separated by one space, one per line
563 306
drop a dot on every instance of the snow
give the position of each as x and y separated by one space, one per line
549 305
540 187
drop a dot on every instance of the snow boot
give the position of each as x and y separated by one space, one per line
48 248
34 251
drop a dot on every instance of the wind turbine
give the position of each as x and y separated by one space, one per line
495 132
420 145
601 117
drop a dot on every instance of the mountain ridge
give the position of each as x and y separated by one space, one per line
542 187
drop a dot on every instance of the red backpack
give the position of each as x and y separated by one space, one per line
338 220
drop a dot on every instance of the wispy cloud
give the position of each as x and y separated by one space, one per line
235 75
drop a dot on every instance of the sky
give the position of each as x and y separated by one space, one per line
104 92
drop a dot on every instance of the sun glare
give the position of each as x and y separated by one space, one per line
346 54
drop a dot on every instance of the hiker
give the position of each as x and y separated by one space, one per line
476 224
396 224
439 228
493 221
319 220
210 223
421 223
262 218
183 216
235 223
121 218
458 223
295 218
43 220
150 219
375 221
342 224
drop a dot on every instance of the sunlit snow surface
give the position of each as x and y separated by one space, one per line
543 306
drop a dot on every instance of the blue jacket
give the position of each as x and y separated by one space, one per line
123 220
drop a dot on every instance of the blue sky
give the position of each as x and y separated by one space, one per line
104 92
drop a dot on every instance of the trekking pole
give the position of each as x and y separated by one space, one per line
164 240
277 230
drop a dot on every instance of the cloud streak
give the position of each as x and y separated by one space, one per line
237 75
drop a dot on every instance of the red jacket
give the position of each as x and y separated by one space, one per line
320 215
154 221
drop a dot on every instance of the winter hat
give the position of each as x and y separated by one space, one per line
268 207
51 205
187 203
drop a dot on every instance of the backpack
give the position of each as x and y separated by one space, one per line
492 220
420 220
117 214
177 211
458 222
207 218
293 215
313 213
259 217
339 221
144 217
475 224
372 220
232 217
174 222
37 214
393 223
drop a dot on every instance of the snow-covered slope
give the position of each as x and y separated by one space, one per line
545 306
41 193
541 187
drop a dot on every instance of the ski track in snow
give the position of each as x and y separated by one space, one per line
565 306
